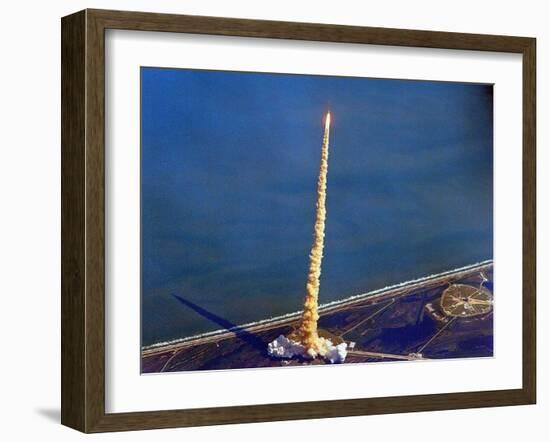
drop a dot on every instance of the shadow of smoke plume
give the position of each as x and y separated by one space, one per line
239 332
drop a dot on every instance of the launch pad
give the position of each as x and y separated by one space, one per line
460 300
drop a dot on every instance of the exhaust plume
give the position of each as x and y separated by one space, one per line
307 334
305 341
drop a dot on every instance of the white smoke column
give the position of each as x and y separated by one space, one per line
307 333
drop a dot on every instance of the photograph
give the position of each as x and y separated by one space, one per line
243 221
292 220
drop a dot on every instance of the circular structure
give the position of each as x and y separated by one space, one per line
460 300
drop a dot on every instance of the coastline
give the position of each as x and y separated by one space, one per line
392 291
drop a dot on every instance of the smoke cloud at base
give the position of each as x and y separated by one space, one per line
286 348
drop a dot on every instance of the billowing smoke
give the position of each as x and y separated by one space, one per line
306 341
308 330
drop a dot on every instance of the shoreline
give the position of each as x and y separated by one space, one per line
266 324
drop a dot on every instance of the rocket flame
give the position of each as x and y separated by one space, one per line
307 333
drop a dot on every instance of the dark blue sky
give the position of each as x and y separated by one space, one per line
228 174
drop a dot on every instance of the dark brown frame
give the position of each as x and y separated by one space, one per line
83 217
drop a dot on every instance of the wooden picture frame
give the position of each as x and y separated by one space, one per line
83 220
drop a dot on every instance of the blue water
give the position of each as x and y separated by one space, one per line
229 163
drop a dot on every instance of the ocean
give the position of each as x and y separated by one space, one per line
229 165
